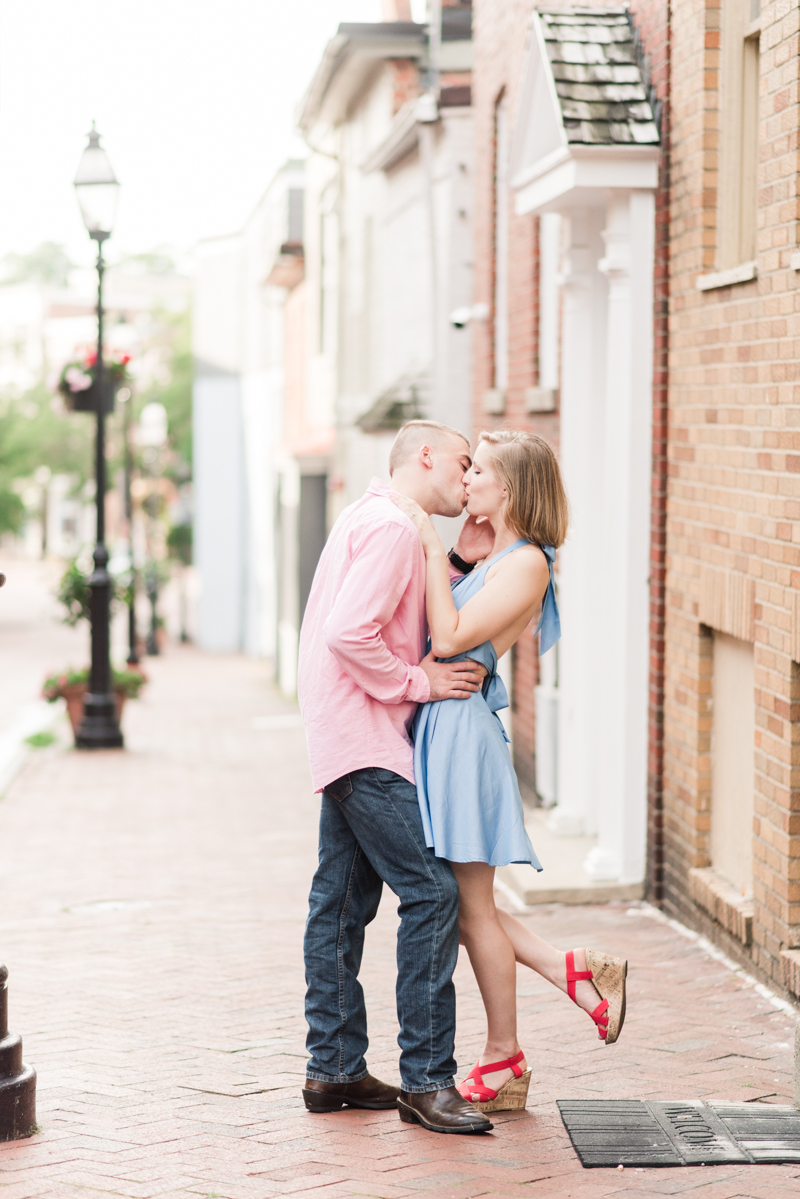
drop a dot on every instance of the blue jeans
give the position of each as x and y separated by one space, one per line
370 833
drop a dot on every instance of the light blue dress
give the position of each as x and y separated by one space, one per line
467 787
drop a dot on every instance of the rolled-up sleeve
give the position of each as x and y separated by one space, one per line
378 576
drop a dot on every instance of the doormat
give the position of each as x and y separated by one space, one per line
640 1132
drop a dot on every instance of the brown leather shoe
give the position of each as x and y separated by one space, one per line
368 1092
441 1111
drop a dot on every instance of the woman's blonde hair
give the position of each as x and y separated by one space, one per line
526 465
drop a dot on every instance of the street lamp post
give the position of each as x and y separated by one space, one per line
97 189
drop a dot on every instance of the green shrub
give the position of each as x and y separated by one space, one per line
75 594
41 740
130 682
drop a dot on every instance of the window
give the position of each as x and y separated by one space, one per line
738 121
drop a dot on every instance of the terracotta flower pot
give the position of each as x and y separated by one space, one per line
74 692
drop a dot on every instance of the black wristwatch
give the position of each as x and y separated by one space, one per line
460 564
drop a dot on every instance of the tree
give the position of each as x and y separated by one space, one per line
34 432
48 263
151 262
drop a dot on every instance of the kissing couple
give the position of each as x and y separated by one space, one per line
418 787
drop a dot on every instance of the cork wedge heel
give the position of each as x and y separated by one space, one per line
513 1094
608 975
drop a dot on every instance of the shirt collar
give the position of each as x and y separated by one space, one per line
378 487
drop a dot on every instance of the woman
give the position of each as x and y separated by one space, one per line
468 791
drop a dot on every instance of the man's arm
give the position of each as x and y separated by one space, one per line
379 575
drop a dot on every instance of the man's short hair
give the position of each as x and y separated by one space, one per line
414 435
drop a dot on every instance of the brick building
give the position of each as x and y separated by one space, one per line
704 549
731 822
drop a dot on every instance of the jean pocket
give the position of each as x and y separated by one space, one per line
339 789
394 786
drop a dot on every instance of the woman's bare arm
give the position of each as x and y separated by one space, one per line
510 596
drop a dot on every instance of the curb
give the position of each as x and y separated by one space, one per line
33 718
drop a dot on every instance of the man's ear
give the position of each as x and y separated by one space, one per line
425 457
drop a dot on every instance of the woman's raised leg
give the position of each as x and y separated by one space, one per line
605 1001
492 956
539 955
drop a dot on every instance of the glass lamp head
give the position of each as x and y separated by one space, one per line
97 189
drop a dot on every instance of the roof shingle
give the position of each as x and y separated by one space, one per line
599 84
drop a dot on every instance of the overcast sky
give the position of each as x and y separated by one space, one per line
194 100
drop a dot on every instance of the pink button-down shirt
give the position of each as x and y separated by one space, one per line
364 633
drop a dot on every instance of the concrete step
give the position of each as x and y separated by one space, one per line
563 879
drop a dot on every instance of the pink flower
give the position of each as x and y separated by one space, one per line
76 379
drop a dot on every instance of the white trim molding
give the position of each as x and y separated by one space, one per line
742 273
587 170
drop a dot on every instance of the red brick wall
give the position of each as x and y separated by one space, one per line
405 81
734 493
651 19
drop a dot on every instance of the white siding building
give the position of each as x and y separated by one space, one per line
389 236
238 420
325 324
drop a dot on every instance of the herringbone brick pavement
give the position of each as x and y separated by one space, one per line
152 913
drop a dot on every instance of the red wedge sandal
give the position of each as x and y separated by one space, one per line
608 975
512 1095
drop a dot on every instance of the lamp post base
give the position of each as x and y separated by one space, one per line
17 1081
18 1104
99 728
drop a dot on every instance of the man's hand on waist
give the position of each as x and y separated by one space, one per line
453 680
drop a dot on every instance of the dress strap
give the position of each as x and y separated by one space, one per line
550 621
515 545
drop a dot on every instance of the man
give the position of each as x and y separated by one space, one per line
362 674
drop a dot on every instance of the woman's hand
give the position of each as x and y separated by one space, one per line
476 539
431 542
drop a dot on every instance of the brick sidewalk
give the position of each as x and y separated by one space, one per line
153 905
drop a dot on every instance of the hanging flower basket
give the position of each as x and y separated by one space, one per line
77 384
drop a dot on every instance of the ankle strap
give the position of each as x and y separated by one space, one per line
573 975
510 1063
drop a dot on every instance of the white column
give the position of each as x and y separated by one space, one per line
582 559
546 699
622 587
549 253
